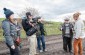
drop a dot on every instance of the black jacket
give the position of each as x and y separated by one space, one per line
64 29
25 24
42 28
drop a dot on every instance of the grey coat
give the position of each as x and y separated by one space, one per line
9 32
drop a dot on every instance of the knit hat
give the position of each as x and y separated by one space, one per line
8 12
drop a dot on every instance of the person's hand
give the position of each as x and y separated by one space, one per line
13 47
17 29
61 29
31 24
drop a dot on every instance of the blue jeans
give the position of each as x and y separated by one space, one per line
41 39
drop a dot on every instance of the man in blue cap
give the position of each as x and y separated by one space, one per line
9 32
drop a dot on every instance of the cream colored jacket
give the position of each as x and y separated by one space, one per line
79 29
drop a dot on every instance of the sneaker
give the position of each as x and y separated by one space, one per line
45 50
71 51
65 51
37 54
40 51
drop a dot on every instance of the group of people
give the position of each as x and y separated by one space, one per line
73 31
11 32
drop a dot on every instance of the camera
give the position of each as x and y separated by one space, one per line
35 28
35 20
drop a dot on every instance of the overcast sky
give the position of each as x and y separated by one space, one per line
47 8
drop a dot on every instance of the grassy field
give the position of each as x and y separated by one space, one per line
51 28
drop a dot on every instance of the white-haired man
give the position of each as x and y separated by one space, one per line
67 35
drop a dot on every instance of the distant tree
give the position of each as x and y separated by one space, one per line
33 11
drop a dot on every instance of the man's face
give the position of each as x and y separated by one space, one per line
30 16
75 17
66 21
40 20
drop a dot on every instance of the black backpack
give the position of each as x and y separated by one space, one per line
33 30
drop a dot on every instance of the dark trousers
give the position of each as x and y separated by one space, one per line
40 40
67 43
14 51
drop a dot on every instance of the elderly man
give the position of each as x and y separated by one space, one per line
67 35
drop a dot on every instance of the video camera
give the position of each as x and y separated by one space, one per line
35 20
35 28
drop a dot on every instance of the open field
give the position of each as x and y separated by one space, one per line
51 28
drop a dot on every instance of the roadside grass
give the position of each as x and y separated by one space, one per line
51 28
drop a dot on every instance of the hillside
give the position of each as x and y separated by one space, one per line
51 28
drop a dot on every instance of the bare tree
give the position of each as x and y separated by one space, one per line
33 11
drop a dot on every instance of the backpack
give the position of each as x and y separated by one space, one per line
32 30
29 29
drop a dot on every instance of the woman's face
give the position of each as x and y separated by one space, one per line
11 18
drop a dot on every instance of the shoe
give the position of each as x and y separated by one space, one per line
64 51
45 50
71 51
40 51
37 54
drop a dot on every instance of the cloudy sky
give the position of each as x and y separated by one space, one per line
47 8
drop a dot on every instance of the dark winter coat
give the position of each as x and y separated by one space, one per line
64 30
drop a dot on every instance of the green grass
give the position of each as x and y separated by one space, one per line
1 19
51 28
1 32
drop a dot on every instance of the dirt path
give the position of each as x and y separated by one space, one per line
53 45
